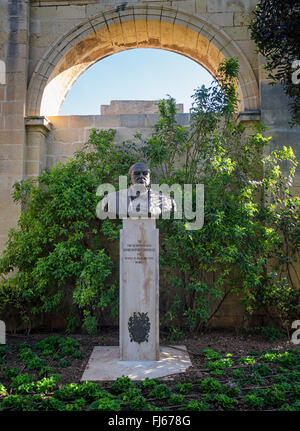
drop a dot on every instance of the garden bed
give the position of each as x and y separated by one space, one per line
230 372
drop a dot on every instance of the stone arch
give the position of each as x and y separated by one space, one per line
135 27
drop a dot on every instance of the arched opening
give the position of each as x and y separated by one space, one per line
137 27
137 77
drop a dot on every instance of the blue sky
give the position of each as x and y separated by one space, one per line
137 74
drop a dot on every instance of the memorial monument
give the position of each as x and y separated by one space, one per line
139 354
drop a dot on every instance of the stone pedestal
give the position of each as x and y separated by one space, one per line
139 355
139 290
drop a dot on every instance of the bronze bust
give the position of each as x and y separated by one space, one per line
138 200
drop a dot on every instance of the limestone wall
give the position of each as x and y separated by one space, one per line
118 107
70 132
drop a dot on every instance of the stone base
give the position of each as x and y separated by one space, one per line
105 364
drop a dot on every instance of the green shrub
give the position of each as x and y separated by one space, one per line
148 383
47 384
175 400
10 372
211 354
184 388
77 405
231 390
105 404
122 384
220 364
254 401
237 374
274 396
160 392
271 333
17 402
210 385
137 403
49 404
67 392
196 406
225 401
248 244
22 384
2 390
247 360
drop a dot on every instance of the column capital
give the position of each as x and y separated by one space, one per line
246 116
40 123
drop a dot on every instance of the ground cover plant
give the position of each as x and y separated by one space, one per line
220 380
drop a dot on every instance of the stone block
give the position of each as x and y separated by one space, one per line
58 12
32 153
11 167
201 6
241 19
3 9
13 108
16 78
42 41
13 122
224 19
238 33
187 6
14 92
231 5
132 120
248 47
68 135
107 121
11 151
32 168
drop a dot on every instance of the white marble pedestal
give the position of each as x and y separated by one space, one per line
139 355
139 290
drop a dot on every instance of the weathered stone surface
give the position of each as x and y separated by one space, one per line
105 364
118 107
139 291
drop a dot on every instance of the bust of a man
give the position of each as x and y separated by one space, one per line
139 200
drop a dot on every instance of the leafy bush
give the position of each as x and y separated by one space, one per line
122 384
184 388
248 245
147 383
57 247
271 333
254 401
10 372
22 384
275 30
47 384
175 400
105 404
196 406
160 392
18 402
224 401
210 385
274 396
